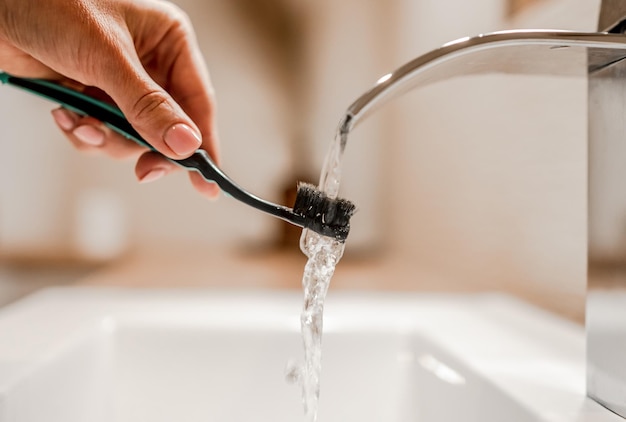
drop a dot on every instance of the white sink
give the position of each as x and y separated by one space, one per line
115 355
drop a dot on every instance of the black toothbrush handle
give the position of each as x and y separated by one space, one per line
113 117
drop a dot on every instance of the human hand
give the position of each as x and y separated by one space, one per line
141 54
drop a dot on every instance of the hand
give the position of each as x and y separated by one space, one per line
141 54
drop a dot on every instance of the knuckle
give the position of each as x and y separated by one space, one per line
178 16
143 110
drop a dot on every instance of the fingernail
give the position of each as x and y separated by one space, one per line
90 135
152 175
64 118
182 139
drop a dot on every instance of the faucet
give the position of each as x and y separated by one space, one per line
606 278
599 57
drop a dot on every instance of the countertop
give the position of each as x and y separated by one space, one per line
263 268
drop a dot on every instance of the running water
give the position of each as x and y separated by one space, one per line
323 255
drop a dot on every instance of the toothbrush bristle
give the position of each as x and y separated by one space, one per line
322 214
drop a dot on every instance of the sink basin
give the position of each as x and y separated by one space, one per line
120 355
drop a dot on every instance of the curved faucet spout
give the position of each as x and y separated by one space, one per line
539 52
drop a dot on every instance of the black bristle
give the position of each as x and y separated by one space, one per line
322 214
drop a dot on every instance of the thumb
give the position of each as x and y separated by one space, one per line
155 115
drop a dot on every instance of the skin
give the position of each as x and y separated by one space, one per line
140 54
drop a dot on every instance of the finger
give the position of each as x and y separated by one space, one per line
208 189
191 87
152 166
200 105
90 135
152 112
190 90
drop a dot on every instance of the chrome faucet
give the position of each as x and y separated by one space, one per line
606 279
600 57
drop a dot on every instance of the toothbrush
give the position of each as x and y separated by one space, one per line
313 209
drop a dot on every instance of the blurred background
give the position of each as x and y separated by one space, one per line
477 183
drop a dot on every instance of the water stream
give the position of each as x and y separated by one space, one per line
323 254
